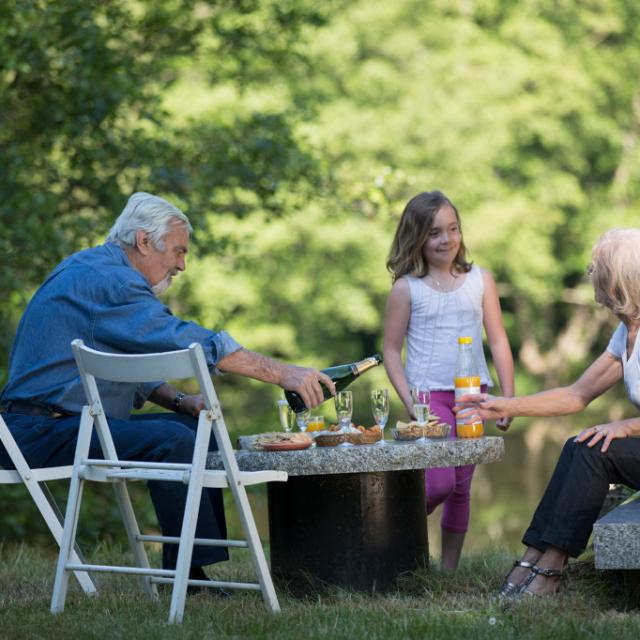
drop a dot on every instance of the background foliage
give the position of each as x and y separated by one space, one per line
292 133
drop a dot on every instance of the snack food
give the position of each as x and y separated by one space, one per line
408 431
437 430
330 439
365 436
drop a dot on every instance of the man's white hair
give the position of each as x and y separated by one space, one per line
149 213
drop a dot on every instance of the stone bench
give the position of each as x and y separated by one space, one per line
616 537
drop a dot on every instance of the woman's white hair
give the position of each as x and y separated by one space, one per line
615 271
149 213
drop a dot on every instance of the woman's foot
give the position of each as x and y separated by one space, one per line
544 582
544 579
521 570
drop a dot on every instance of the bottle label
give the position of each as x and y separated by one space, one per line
468 426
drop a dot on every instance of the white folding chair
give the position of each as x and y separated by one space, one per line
35 481
187 363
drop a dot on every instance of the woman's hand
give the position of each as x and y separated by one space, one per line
606 432
488 407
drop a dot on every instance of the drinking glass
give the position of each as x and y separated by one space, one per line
286 415
420 398
380 408
302 419
344 410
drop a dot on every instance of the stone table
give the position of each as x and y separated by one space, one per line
354 516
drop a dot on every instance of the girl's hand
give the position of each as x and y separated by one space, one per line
606 432
503 423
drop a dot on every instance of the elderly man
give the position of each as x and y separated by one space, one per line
107 296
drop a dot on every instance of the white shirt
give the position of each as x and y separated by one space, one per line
631 366
436 322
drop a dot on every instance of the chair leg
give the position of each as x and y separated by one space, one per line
189 521
255 548
55 520
72 513
61 583
133 531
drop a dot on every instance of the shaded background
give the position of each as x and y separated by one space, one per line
292 133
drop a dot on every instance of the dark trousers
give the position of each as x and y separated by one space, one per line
577 489
161 437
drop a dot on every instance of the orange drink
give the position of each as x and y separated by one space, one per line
471 426
470 430
315 423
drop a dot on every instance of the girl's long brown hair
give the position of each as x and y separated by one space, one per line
405 255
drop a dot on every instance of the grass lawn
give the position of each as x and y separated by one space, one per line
424 605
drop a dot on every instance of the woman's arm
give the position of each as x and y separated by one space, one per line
599 376
498 341
395 330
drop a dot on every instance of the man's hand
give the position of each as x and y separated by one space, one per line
305 381
192 405
606 432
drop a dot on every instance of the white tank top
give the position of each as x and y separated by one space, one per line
436 322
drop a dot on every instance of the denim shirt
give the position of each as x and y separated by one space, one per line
97 296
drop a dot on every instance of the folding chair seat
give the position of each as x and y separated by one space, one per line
186 363
35 482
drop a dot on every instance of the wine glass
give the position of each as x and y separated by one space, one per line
344 410
380 408
420 396
302 419
285 414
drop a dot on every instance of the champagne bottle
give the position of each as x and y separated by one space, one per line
342 375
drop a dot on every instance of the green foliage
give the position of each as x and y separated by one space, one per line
293 132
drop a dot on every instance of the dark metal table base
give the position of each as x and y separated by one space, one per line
353 530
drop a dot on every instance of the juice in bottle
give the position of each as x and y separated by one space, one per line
466 381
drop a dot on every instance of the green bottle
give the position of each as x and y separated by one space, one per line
342 375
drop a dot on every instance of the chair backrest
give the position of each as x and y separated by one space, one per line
147 367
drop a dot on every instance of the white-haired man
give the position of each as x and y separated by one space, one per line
107 296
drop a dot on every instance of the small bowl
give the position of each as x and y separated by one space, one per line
437 432
330 439
406 435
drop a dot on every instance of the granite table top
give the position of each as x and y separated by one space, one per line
392 456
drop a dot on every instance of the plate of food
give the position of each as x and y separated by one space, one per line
279 441
285 446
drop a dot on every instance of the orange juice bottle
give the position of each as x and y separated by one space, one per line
467 380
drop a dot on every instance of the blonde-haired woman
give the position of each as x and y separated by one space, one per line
599 455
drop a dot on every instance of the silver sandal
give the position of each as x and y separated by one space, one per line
537 571
509 589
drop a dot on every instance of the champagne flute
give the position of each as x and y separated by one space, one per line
302 419
380 408
285 414
420 397
344 411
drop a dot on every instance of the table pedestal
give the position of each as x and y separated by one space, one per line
353 530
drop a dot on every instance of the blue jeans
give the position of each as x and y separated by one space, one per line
160 437
577 489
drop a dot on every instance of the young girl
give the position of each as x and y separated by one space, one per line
438 296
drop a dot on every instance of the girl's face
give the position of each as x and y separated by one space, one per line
443 242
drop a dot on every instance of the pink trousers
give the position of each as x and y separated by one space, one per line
449 486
